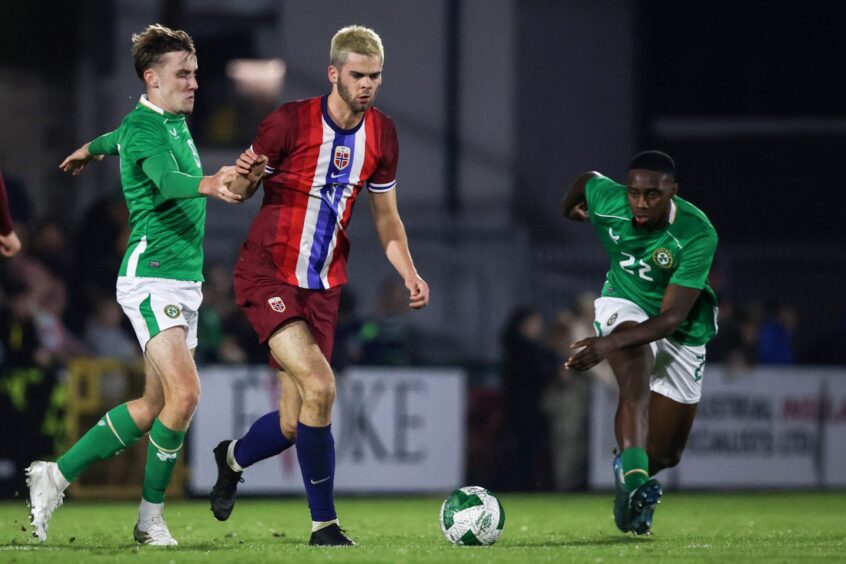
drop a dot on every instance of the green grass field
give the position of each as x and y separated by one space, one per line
771 527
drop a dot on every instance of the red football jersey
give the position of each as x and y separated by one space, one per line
316 170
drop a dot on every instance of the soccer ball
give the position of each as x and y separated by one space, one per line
472 516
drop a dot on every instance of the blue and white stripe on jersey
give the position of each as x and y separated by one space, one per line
332 187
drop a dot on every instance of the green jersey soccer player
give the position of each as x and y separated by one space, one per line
653 320
158 283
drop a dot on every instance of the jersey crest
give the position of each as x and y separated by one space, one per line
342 157
663 257
276 304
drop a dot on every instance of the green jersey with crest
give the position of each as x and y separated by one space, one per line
644 263
167 234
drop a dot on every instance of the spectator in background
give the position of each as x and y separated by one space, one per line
529 367
48 244
735 342
9 242
388 337
217 342
568 399
105 335
775 339
20 346
348 346
101 242
47 300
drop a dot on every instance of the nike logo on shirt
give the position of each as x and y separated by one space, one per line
614 238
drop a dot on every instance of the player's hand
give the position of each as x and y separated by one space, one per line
76 162
418 292
217 186
9 245
593 351
251 165
579 212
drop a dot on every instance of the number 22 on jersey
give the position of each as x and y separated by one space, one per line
631 263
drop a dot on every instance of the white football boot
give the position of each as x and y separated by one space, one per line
46 492
154 532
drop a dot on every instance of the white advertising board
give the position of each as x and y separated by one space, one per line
767 428
395 429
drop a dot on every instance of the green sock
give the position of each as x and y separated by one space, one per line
162 452
635 467
113 433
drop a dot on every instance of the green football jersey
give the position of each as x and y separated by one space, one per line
644 263
167 234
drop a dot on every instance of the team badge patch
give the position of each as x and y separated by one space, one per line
342 157
611 320
172 311
276 304
662 257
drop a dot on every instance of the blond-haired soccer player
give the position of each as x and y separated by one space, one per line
159 281
314 157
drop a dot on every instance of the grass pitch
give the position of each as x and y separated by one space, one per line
771 527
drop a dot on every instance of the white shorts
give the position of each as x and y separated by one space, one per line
156 304
678 369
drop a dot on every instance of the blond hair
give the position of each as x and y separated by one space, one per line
355 39
150 45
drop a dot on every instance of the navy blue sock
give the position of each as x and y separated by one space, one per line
316 453
263 440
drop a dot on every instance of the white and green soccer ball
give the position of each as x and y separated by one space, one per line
472 516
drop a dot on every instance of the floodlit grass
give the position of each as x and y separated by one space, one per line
770 527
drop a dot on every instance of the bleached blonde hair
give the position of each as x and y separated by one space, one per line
355 39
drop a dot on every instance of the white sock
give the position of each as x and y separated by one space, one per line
317 525
147 510
230 458
59 479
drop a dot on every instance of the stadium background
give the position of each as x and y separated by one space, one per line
498 104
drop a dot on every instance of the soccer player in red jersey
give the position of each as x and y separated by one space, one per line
313 157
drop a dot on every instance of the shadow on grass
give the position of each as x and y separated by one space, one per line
116 549
602 541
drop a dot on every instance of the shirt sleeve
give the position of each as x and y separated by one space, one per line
106 144
384 178
273 139
163 170
695 261
599 194
143 139
6 225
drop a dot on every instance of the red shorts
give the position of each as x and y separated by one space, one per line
270 305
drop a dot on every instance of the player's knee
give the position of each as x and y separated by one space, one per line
186 400
319 391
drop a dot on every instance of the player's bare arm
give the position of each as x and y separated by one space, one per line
250 168
574 204
389 226
678 300
218 186
76 162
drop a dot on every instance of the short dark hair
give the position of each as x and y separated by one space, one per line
155 41
658 161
